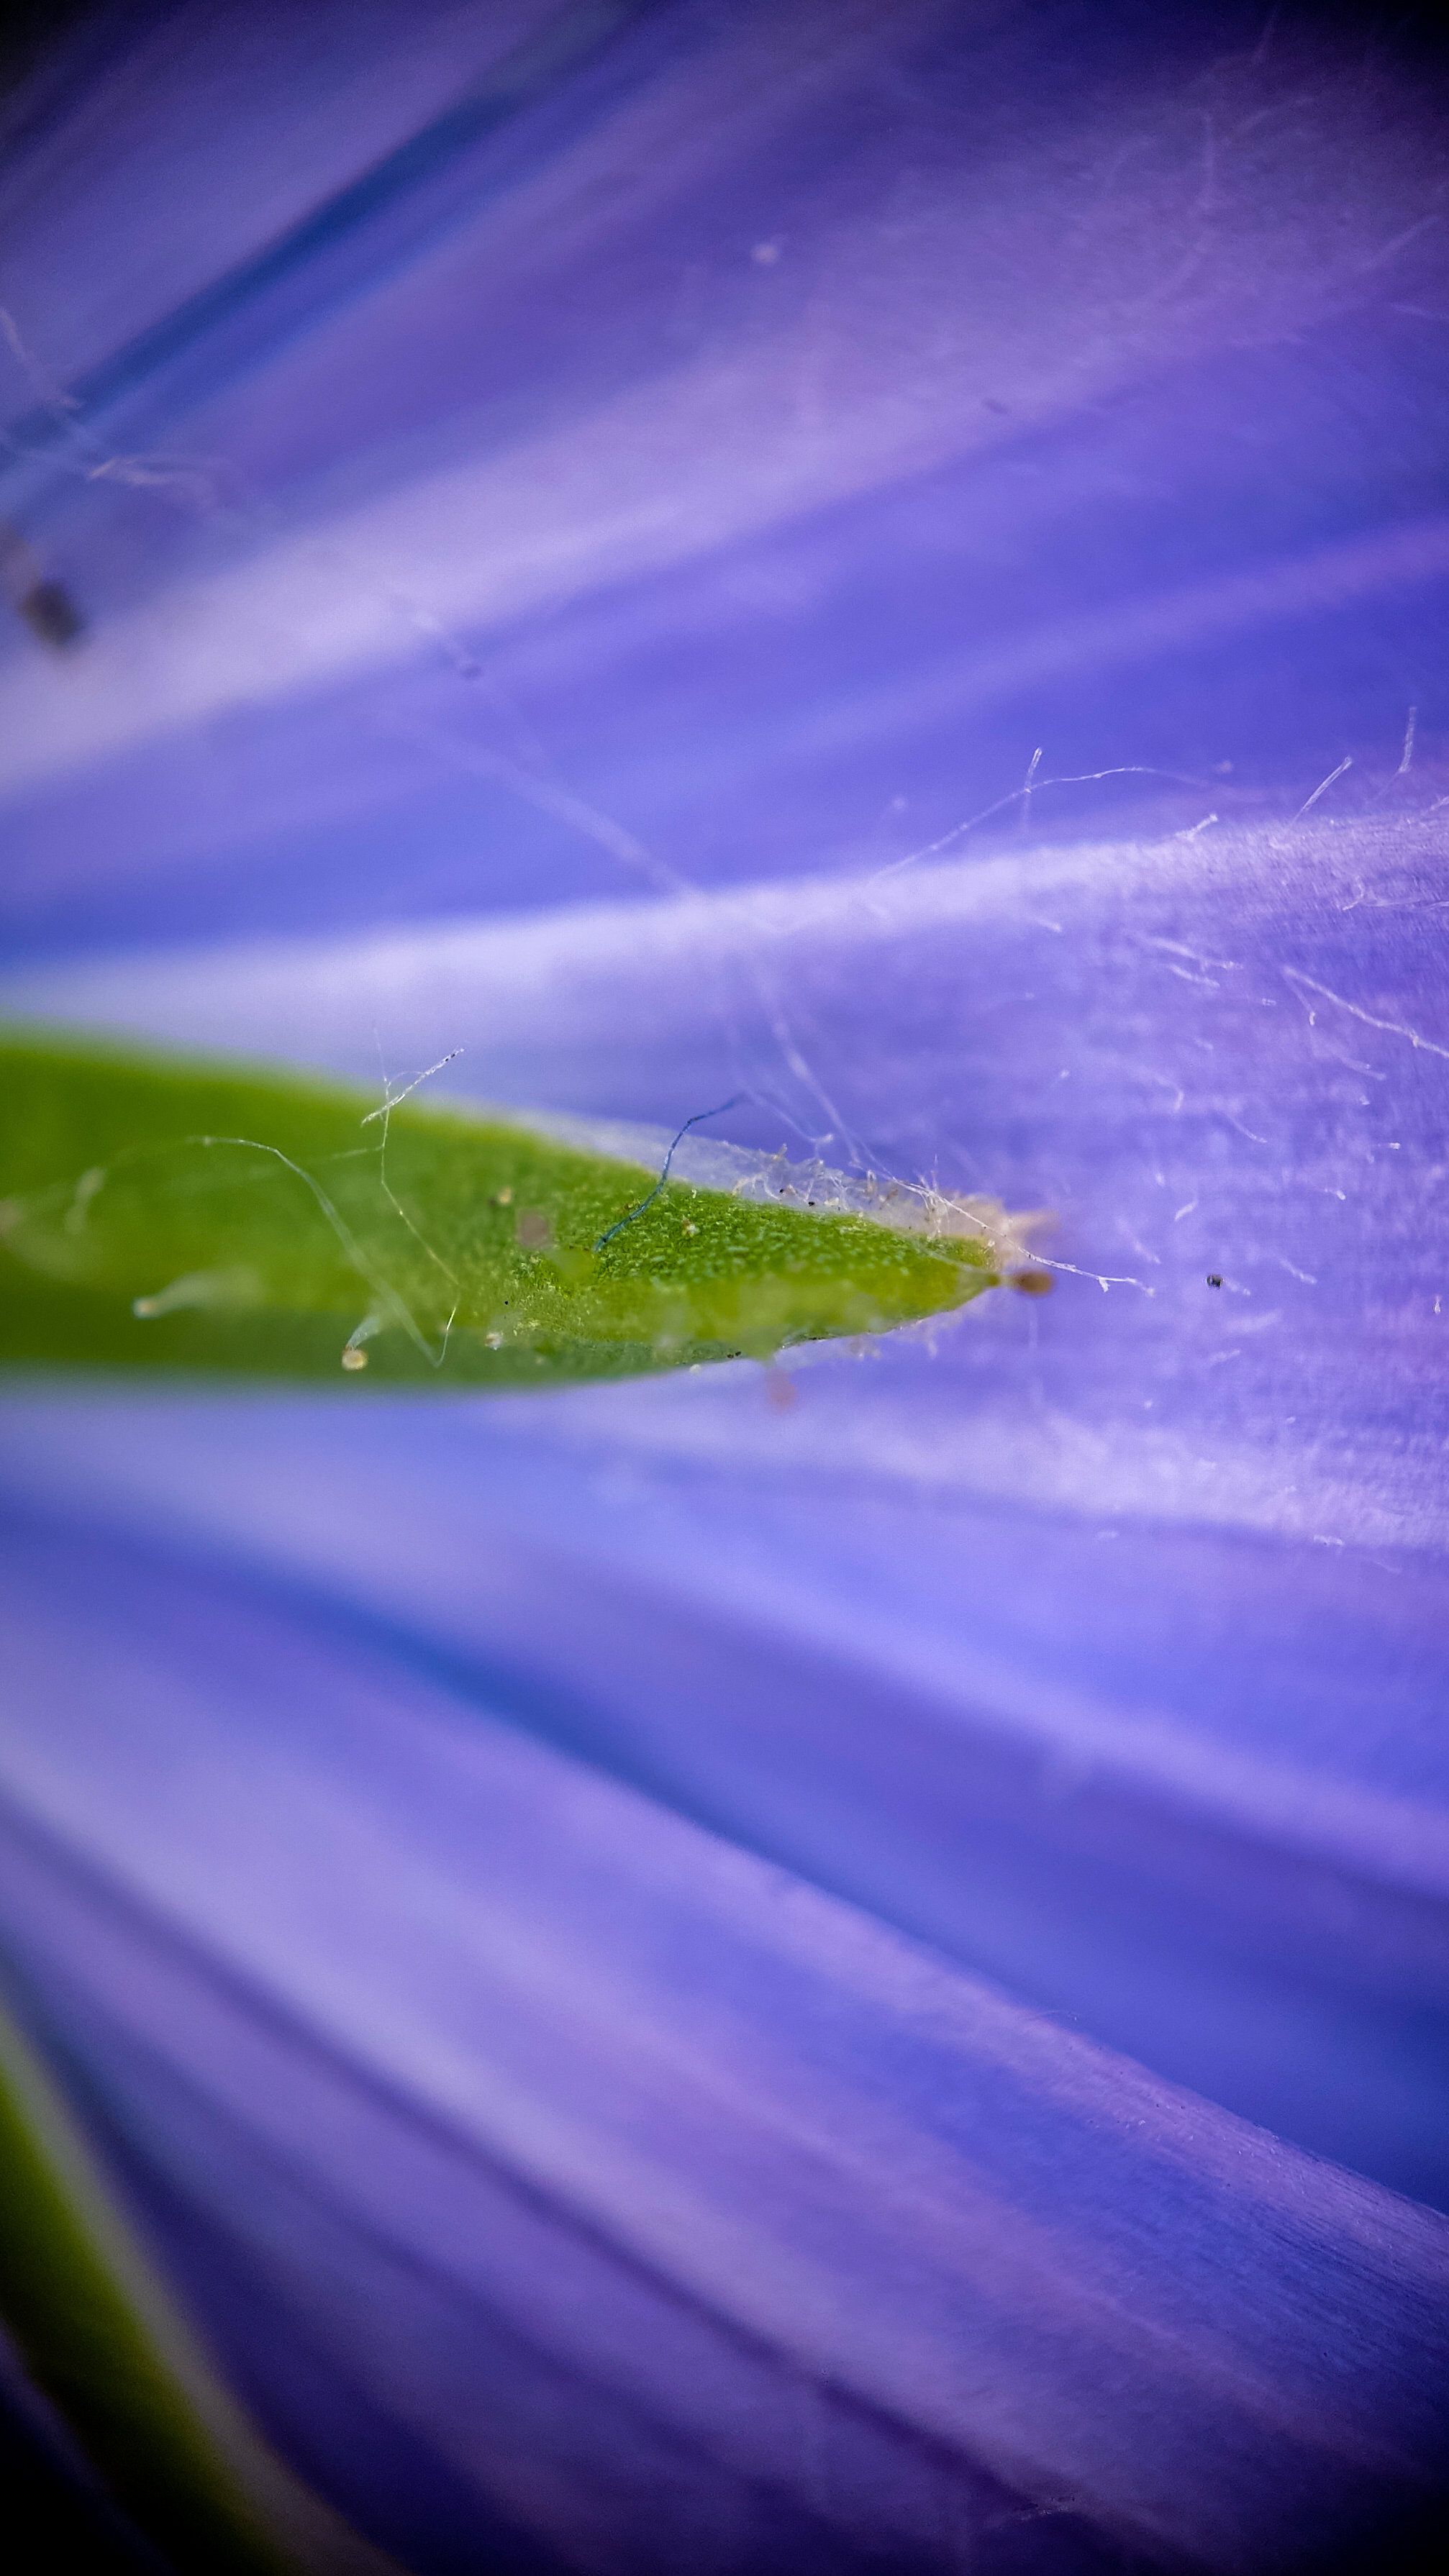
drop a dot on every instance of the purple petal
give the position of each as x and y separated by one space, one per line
676 1983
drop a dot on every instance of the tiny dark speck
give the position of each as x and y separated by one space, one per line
1213 1280
991 404
51 615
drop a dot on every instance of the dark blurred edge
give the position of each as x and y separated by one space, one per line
29 33
50 2516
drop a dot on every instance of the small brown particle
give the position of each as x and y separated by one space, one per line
1030 1283
533 1228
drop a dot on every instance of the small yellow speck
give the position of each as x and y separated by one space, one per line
503 1198
353 1358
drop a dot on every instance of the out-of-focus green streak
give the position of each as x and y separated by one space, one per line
77 2301
165 1213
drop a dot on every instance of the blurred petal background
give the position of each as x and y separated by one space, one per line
833 1970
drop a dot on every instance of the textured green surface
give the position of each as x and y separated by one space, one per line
260 1218
68 2299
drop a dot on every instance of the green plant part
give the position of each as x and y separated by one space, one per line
179 2471
170 1214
